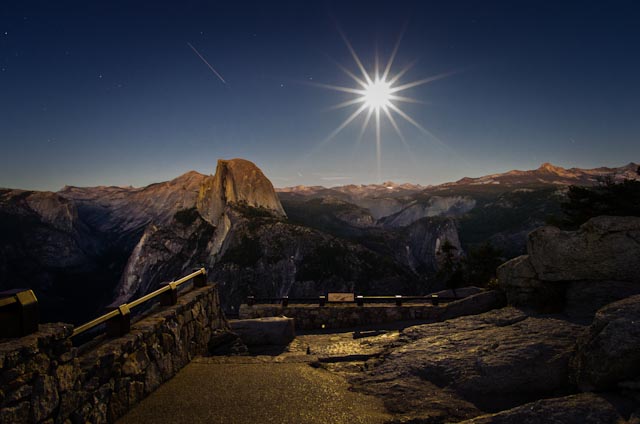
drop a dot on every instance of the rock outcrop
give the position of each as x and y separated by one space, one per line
455 369
434 206
198 233
604 248
419 244
121 210
608 354
585 408
236 181
579 271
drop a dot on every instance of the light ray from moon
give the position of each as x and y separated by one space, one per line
207 63
378 91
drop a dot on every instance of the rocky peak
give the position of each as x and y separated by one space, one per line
236 181
551 168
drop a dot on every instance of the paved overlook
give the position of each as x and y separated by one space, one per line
269 388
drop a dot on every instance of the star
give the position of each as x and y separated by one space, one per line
376 95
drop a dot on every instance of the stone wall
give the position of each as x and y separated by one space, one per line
347 315
44 379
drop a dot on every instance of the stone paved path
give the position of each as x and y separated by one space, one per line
278 388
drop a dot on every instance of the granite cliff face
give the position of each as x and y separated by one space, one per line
197 234
236 181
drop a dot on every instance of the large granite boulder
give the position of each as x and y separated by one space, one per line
264 331
520 282
604 248
585 408
491 361
608 354
580 271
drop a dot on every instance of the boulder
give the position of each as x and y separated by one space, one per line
580 271
585 408
520 283
608 353
475 304
604 248
493 361
264 331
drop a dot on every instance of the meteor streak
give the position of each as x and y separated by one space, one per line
207 63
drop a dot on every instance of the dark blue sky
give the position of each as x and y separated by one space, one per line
110 93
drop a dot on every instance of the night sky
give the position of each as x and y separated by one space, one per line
108 93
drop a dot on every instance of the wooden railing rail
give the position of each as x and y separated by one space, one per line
119 319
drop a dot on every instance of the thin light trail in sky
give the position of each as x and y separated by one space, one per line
207 63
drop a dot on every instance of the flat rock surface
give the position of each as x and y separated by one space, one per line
585 408
486 362
282 393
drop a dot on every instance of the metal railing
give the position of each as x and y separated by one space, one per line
434 299
119 319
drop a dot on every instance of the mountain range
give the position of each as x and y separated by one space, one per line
84 248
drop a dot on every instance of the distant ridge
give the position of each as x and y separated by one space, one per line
545 174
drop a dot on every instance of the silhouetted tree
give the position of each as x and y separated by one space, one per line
607 198
451 270
481 263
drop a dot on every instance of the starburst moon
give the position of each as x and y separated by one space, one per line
378 95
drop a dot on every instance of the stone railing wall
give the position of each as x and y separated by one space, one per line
44 379
336 315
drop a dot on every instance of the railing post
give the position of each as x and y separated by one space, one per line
285 301
398 300
360 300
121 324
322 300
200 280
170 297
18 313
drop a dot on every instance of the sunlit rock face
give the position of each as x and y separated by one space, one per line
126 209
449 371
196 234
236 181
